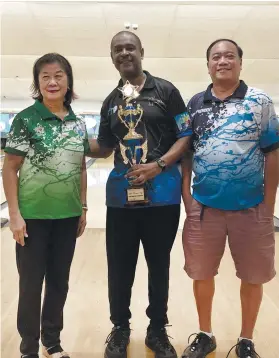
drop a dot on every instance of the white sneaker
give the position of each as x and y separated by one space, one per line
47 352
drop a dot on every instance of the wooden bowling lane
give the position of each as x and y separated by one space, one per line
97 176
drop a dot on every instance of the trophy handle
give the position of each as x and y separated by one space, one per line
123 153
144 152
139 109
119 113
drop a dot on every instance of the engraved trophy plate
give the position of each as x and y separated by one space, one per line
135 194
133 147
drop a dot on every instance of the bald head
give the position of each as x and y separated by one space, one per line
127 54
125 34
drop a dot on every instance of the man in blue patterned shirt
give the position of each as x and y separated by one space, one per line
236 167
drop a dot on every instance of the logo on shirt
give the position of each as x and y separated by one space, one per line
112 110
156 101
202 110
182 121
39 130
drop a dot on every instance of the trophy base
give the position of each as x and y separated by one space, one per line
136 196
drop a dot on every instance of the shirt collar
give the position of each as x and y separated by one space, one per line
47 114
240 92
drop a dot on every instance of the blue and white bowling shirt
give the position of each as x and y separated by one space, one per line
230 140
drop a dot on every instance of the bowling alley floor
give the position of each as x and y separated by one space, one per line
86 318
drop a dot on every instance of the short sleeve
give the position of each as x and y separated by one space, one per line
18 138
105 137
269 139
177 110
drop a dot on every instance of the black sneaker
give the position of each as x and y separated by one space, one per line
29 356
158 341
245 349
201 346
117 342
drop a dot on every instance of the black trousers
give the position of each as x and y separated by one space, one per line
48 254
156 228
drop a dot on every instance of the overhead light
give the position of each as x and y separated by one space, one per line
128 26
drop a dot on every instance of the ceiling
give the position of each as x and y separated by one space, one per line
175 35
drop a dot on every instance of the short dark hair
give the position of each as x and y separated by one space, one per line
65 64
239 49
127 33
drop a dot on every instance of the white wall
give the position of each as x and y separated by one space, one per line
78 106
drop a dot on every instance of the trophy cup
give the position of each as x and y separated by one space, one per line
133 147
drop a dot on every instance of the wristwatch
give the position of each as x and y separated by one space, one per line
161 163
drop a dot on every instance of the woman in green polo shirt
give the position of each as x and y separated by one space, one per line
46 145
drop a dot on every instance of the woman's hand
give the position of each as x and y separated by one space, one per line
81 223
18 228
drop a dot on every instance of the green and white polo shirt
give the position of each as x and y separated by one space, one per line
50 177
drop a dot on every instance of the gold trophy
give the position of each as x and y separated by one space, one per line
133 147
